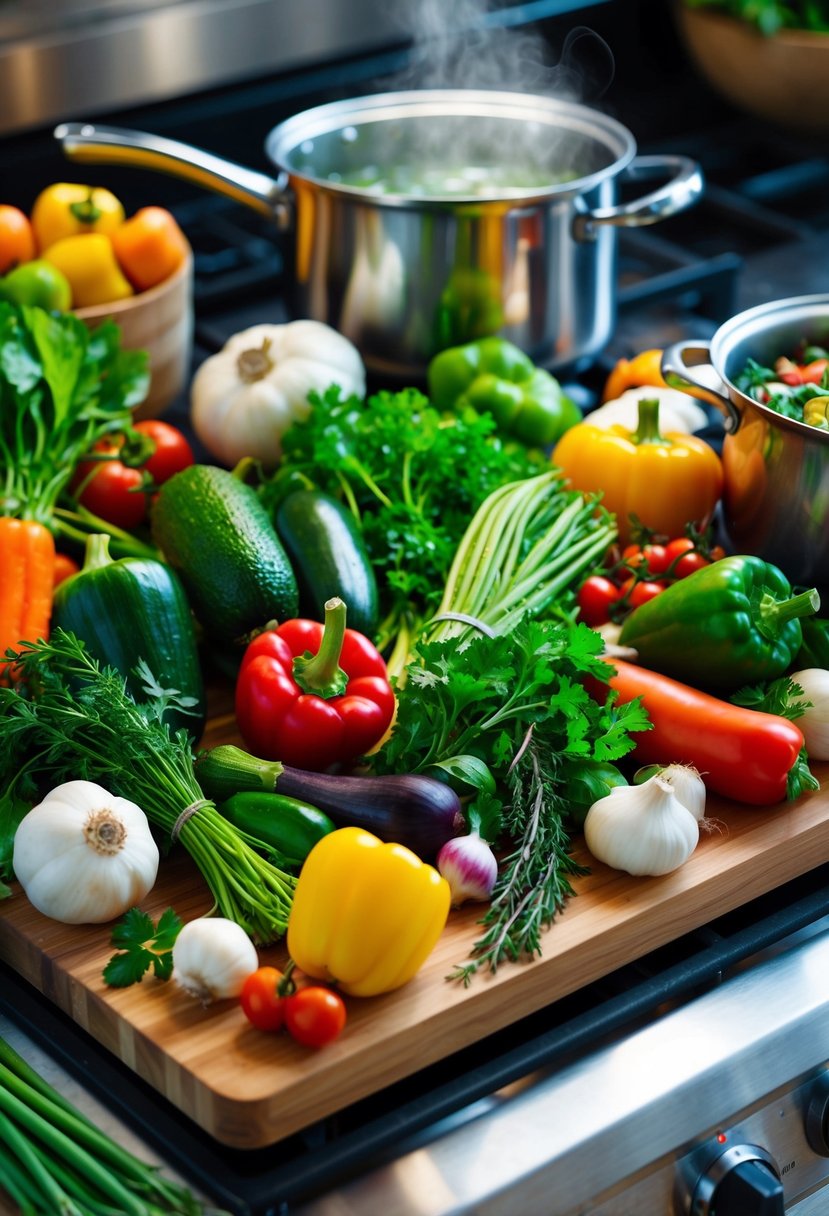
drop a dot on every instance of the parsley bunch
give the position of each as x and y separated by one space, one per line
413 479
510 716
70 718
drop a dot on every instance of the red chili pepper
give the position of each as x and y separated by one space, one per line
313 695
743 754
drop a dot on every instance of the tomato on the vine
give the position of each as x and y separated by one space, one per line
260 1000
684 557
595 598
112 490
172 450
653 558
314 1016
640 591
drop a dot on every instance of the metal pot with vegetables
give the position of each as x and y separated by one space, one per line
424 219
766 371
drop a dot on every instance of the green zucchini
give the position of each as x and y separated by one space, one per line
287 825
326 549
213 529
130 609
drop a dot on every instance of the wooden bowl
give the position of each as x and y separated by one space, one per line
159 321
783 78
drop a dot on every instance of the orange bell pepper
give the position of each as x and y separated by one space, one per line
644 369
665 481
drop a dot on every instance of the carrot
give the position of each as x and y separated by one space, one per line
27 563
744 754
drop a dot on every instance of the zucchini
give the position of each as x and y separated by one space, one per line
289 826
130 609
326 549
217 534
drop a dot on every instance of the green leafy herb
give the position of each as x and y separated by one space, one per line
62 388
76 719
141 945
771 16
515 704
413 479
783 697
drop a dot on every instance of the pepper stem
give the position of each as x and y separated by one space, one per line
321 673
96 552
773 614
648 430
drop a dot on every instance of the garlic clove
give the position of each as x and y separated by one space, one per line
642 829
212 958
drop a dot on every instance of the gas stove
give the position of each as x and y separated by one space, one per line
692 1082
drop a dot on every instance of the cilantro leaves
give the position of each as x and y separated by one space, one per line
141 945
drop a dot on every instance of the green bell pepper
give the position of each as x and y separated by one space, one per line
494 376
731 623
134 609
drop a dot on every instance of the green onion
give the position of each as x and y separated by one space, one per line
55 1162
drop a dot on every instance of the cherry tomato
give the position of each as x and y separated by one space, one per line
172 451
65 567
684 558
717 553
653 557
17 240
675 548
261 1003
595 597
113 491
314 1016
640 592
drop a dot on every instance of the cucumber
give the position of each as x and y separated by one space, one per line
288 825
215 532
326 550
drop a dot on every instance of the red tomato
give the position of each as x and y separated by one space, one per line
684 558
261 1003
653 557
642 591
675 548
595 597
314 1016
172 451
113 491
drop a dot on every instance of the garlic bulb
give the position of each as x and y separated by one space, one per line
469 866
814 722
642 829
84 856
212 958
689 786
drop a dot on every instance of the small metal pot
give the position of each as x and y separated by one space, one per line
776 494
407 272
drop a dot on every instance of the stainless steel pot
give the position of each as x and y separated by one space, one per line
405 273
776 495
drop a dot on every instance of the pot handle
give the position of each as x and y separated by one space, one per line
675 371
91 144
685 188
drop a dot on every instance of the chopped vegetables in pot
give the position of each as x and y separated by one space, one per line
796 387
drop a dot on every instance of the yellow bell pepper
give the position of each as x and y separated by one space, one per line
815 413
90 265
365 915
67 209
665 481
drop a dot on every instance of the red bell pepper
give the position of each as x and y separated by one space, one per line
313 695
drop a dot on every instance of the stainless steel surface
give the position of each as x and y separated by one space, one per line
776 469
404 276
609 1135
93 57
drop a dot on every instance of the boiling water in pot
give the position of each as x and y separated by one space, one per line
463 181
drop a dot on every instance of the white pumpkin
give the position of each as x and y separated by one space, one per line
84 856
245 397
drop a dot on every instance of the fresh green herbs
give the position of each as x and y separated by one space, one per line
141 945
62 388
71 718
413 479
771 16
55 1162
509 717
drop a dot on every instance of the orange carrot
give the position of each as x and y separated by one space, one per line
27 563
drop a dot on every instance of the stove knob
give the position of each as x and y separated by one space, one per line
817 1116
741 1181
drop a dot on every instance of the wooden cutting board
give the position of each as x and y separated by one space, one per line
249 1089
